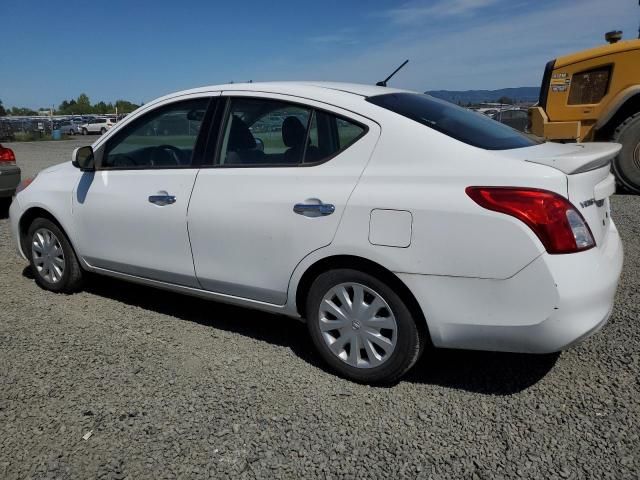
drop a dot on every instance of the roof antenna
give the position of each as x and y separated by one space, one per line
383 83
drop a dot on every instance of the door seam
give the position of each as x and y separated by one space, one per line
193 259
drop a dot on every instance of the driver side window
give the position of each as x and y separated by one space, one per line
162 138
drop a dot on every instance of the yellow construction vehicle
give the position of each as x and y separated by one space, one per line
594 95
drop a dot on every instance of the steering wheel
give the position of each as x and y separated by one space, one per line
122 160
159 155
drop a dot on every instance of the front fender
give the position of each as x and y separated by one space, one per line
614 105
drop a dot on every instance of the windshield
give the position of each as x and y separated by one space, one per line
469 127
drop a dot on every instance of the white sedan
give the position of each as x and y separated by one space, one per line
389 220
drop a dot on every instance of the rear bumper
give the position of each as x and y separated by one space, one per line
552 304
9 180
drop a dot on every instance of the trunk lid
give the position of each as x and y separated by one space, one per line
589 180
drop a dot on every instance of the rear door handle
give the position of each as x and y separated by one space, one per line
161 200
314 209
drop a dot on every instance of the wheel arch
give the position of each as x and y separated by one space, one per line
368 266
628 107
27 219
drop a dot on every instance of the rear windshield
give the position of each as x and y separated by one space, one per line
469 127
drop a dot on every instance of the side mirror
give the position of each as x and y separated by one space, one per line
83 159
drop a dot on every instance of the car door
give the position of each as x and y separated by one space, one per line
281 178
130 214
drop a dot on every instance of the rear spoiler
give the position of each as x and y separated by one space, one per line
585 157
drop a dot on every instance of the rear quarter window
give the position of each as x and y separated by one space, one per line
456 122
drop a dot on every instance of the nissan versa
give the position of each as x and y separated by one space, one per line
388 219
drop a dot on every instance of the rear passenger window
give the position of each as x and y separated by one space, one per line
260 132
264 132
328 135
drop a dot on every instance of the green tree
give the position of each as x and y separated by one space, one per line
3 112
83 104
125 106
64 108
506 100
100 108
21 111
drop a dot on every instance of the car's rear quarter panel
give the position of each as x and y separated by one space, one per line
426 173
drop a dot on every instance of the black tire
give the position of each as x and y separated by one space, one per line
626 166
103 131
84 131
72 276
5 203
409 341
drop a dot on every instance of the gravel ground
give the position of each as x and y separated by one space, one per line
175 387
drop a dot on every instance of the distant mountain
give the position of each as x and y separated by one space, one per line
518 94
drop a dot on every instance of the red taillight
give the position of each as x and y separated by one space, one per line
555 221
7 156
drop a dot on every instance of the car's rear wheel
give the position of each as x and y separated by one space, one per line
361 327
84 131
53 262
103 131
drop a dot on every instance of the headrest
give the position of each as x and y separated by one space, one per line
293 132
240 137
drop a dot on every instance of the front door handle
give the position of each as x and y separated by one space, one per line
163 199
314 209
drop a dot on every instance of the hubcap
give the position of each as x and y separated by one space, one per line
357 325
48 255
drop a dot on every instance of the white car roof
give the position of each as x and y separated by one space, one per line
329 92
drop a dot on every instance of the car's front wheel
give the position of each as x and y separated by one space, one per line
361 327
53 261
103 131
84 131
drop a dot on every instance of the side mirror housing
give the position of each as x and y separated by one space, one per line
83 159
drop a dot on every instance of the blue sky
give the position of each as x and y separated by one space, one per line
139 50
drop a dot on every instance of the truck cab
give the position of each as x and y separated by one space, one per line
594 95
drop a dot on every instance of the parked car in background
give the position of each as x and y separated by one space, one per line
389 220
6 131
67 127
97 125
518 119
9 175
78 122
489 112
